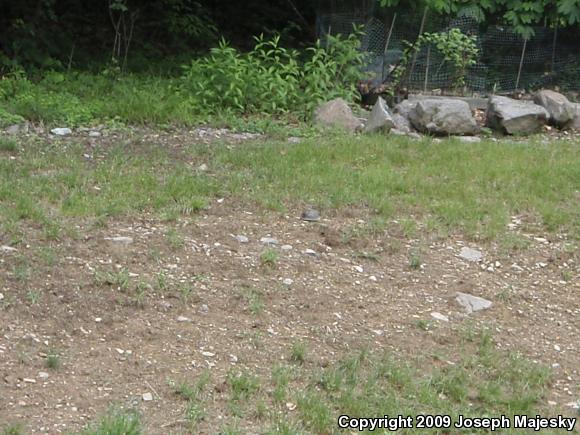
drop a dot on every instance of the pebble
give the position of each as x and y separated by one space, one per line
29 380
469 139
288 281
269 241
120 239
294 139
203 167
472 303
147 397
98 319
204 308
94 134
359 269
61 131
43 375
439 316
183 319
557 348
1 296
5 248
310 252
286 247
242 239
373 278
208 354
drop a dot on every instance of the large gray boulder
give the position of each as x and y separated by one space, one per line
515 116
561 111
380 119
337 114
575 124
404 108
443 117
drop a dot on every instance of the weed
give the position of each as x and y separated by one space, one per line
119 279
185 291
116 423
161 281
243 385
33 296
174 239
53 360
255 300
423 324
415 261
269 258
140 292
13 429
8 144
298 353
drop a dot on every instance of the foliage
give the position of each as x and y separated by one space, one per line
273 79
457 48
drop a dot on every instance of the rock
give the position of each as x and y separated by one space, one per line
515 116
286 247
575 124
310 252
95 134
561 111
43 375
402 124
6 249
14 129
404 108
202 168
337 113
269 241
469 139
183 319
439 316
241 238
288 282
380 119
204 308
1 297
443 117
397 132
414 135
147 397
471 303
310 215
120 239
470 254
61 131
294 139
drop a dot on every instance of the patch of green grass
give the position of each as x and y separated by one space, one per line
269 258
13 429
33 296
174 239
243 385
53 360
116 423
298 352
415 261
8 144
254 299
119 278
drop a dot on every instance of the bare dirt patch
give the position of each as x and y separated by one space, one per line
177 299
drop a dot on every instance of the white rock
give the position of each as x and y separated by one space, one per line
470 254
29 380
120 351
373 278
286 247
310 252
359 269
439 316
5 248
203 167
469 139
208 354
43 375
98 319
1 296
147 397
293 139
61 131
183 319
472 303
269 241
241 238
288 281
557 348
94 134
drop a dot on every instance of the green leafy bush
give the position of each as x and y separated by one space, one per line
273 79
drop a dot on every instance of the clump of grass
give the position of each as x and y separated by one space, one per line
174 239
161 281
116 423
269 258
53 360
119 279
13 429
33 296
254 299
243 385
8 144
415 261
298 352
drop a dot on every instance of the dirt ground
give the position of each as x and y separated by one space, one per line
350 290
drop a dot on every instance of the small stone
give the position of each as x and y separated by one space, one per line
204 308
286 247
94 134
472 303
290 406
359 269
208 354
552 403
469 139
233 358
269 241
439 316
1 296
470 254
120 351
61 131
29 380
373 278
5 248
203 167
242 239
98 319
43 375
13 129
182 319
310 215
310 252
555 366
293 139
147 397
120 239
557 348
288 281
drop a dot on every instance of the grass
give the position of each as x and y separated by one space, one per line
8 144
53 361
254 299
269 258
116 423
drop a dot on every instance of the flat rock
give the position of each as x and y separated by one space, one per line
402 124
286 247
269 241
561 111
241 238
337 114
147 397
310 215
5 248
515 116
443 117
439 316
469 139
470 254
288 281
404 108
380 119
95 133
472 304
183 319
17 128
294 139
63 131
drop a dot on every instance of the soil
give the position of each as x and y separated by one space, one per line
353 292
